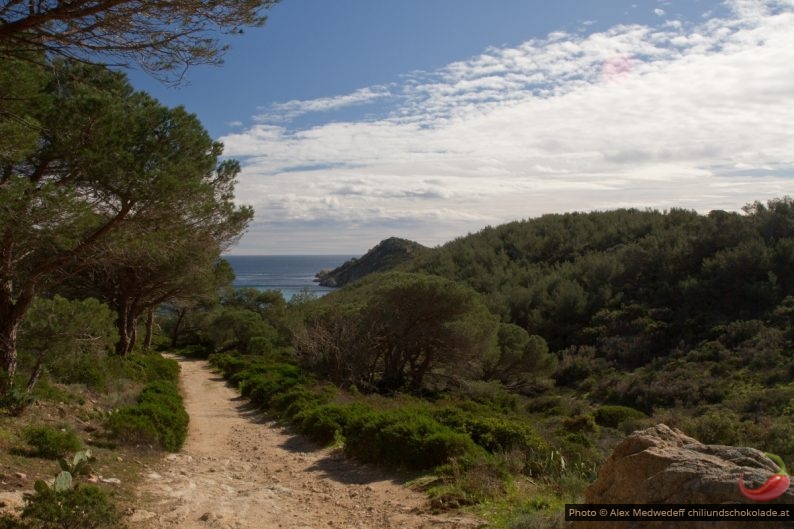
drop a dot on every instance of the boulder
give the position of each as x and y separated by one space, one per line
663 465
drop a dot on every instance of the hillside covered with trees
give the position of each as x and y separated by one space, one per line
509 361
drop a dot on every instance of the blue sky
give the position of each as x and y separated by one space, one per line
359 120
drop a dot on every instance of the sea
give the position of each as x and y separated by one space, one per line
290 274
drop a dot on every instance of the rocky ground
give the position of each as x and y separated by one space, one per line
238 471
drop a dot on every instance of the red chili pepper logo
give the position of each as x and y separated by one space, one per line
773 488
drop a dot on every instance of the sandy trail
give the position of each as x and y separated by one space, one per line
239 471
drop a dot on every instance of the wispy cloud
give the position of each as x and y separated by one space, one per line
693 114
295 108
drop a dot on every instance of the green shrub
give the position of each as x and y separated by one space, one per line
403 438
717 427
82 369
51 443
494 434
229 364
149 367
15 401
295 401
491 393
584 424
614 416
82 507
262 381
323 424
546 405
200 351
159 417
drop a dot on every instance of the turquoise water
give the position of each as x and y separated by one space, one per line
290 274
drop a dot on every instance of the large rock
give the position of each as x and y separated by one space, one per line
663 465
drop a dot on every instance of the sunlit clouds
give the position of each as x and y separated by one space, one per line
694 114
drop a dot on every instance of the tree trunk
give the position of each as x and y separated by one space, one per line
34 377
147 340
177 325
10 320
418 372
123 312
133 335
126 325
8 356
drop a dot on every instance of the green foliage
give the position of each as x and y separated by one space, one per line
408 438
81 507
520 358
21 86
717 427
403 439
262 381
614 416
229 364
70 337
158 417
391 331
234 328
51 443
492 432
106 166
585 424
151 367
491 393
15 401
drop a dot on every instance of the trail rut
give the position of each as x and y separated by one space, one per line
238 470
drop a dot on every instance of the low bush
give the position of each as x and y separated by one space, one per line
295 401
158 417
323 424
403 438
51 443
81 507
493 433
229 364
581 423
149 367
615 416
262 381
80 369
414 435
15 401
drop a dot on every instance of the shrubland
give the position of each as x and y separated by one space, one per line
507 363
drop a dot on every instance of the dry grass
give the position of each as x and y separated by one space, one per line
83 411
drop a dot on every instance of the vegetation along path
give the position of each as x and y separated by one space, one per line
238 471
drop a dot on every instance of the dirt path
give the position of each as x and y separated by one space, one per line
238 471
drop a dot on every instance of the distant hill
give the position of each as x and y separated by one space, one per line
385 256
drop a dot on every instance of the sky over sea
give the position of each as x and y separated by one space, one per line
357 120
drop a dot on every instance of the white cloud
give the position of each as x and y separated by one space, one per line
658 12
694 115
295 108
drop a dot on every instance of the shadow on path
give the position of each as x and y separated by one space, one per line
332 463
